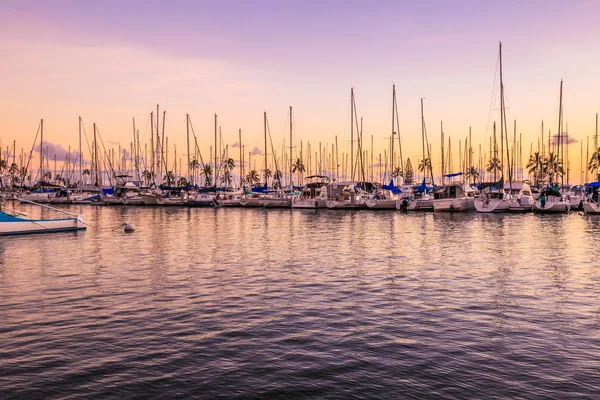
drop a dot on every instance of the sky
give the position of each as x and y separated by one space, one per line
112 61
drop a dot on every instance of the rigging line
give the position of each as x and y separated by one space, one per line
196 144
31 154
493 98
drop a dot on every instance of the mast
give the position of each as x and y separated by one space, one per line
157 154
265 129
215 162
42 150
393 125
442 141
95 156
560 148
187 130
501 114
351 134
423 137
241 164
80 154
291 162
152 149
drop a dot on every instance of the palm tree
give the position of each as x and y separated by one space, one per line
182 181
169 177
226 178
48 175
594 163
277 178
194 165
146 175
3 165
252 177
494 165
554 167
425 165
207 172
535 166
298 167
229 164
267 174
397 172
472 172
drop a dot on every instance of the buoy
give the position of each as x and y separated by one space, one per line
129 227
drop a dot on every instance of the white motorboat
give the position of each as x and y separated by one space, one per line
346 195
455 197
313 194
125 194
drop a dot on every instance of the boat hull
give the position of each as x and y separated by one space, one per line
276 203
378 204
454 205
491 205
591 207
21 226
250 202
552 207
309 203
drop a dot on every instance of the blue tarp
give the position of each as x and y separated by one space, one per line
422 188
260 189
453 175
392 188
594 184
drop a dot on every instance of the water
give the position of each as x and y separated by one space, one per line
317 303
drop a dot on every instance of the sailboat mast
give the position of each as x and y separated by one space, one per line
351 133
291 162
560 127
423 138
187 130
95 155
241 163
215 162
41 150
265 129
80 154
157 154
393 125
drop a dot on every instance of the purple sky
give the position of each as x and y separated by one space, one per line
110 61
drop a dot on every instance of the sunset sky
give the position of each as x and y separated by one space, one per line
110 61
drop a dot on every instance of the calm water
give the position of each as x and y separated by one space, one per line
280 303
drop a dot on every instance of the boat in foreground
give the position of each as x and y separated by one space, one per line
14 223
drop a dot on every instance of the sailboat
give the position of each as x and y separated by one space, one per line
386 197
14 222
492 198
591 203
551 200
279 198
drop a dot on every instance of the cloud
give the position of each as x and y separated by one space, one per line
565 139
51 150
256 151
236 144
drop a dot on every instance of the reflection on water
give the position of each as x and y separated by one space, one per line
309 303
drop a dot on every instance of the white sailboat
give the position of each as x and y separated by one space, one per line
591 202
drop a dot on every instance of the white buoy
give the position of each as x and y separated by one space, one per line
129 227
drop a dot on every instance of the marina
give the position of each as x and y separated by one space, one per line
299 200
